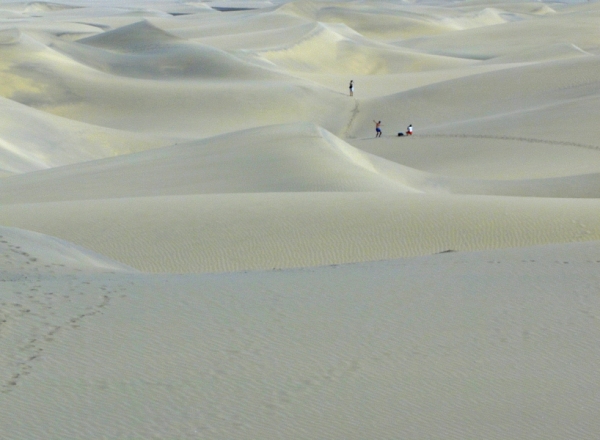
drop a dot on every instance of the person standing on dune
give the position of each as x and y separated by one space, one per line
409 130
377 128
351 87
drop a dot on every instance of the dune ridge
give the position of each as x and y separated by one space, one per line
288 158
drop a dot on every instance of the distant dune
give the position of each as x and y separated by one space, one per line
201 236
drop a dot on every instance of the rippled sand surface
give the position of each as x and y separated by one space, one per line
201 237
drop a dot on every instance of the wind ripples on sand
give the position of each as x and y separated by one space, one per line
435 346
202 238
304 229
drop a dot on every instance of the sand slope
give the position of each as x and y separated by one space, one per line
201 237
33 140
86 84
26 252
531 101
485 343
218 233
573 26
289 158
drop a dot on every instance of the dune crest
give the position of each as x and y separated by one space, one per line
342 50
136 37
201 62
46 7
287 158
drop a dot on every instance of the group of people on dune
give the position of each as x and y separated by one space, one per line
378 124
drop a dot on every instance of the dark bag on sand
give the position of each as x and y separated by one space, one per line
400 134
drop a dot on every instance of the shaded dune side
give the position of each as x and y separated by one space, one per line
294 158
142 50
175 61
216 233
136 37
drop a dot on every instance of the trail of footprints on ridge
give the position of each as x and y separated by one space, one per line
39 302
510 138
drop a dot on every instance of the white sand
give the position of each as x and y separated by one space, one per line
200 236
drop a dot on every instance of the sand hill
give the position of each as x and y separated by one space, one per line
202 238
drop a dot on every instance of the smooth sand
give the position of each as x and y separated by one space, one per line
200 236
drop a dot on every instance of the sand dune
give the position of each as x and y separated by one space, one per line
333 49
485 156
36 7
543 53
289 158
481 43
508 102
63 86
244 39
234 232
383 21
137 37
33 140
487 343
27 252
70 29
238 24
201 237
160 58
